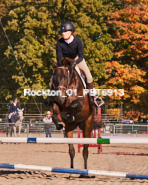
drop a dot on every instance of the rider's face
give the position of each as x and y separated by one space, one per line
66 34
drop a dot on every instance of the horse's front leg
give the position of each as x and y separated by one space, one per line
55 118
19 131
71 148
87 129
75 107
14 129
85 155
72 154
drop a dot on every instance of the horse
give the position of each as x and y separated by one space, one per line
74 109
15 122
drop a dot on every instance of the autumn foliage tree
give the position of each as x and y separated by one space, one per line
131 79
129 68
130 36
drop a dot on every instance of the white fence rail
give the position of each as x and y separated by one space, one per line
116 129
110 129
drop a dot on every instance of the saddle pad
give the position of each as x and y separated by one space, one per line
78 71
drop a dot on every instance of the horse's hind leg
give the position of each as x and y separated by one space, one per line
75 107
14 128
7 131
19 131
10 130
87 129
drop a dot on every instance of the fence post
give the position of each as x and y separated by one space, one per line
27 129
39 129
114 130
132 129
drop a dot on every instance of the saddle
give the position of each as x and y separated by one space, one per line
97 100
12 117
81 75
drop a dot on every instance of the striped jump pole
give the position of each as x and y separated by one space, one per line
112 140
73 171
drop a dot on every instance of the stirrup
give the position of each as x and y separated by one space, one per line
96 103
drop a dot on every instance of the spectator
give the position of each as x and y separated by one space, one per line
13 107
48 123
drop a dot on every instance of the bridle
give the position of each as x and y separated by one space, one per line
61 86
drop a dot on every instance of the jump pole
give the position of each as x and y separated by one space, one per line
113 140
73 171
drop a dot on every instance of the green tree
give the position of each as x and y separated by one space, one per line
5 79
33 31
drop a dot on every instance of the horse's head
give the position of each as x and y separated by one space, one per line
20 114
61 79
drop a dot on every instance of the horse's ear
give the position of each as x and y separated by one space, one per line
54 63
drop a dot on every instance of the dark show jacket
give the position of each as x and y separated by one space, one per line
71 50
13 108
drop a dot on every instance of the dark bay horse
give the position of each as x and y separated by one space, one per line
74 110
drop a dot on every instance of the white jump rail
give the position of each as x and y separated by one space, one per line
103 140
74 171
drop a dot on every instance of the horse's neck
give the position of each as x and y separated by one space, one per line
18 118
78 83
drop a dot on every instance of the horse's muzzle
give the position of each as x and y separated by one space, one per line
60 100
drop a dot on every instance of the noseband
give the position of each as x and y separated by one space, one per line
61 86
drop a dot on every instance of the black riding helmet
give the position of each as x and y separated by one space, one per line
67 26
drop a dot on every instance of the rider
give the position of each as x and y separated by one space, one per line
71 47
13 107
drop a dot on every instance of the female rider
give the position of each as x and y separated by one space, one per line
71 47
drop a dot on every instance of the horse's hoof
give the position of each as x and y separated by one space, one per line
71 177
59 126
70 118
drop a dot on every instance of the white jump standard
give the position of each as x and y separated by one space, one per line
73 171
112 140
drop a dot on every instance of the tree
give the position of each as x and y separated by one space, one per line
33 31
129 26
4 78
131 32
131 80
